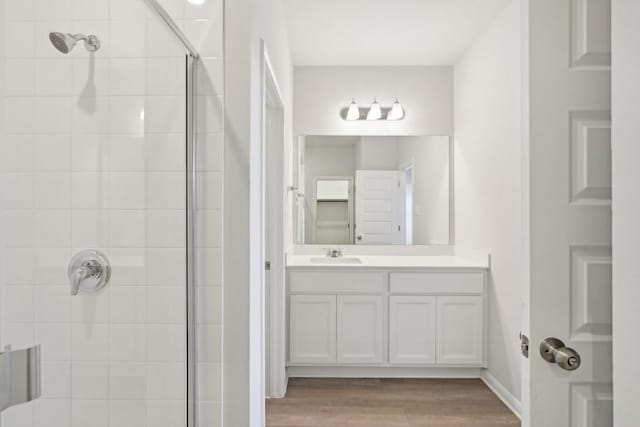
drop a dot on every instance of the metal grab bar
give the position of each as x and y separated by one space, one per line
19 376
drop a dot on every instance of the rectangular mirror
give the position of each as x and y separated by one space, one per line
373 190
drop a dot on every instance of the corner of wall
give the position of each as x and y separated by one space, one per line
2 128
488 202
235 206
512 402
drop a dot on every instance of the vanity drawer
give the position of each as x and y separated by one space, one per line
437 283
336 282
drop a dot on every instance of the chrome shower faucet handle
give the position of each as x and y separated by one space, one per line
88 271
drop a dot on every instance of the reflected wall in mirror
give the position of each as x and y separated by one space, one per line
373 190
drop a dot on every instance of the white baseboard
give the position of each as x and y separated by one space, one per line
501 391
380 372
279 394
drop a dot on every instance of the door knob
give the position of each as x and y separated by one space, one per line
359 237
89 271
554 351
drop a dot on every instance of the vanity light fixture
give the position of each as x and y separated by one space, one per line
375 112
397 112
354 112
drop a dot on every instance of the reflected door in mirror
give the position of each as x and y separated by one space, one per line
379 213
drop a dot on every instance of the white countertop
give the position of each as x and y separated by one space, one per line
304 261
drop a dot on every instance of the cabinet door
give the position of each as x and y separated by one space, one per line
360 330
312 328
460 330
412 330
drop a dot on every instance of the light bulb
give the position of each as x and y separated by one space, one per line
397 112
354 111
375 112
197 2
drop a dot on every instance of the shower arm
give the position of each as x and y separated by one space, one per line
89 40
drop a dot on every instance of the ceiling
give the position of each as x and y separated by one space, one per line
385 32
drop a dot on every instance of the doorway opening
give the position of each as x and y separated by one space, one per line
273 209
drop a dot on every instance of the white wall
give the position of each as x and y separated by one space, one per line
431 186
3 28
488 184
235 207
268 25
327 156
626 209
377 153
246 23
425 92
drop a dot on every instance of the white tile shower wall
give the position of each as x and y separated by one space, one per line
93 158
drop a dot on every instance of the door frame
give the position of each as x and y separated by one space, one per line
351 203
274 325
402 177
626 209
298 205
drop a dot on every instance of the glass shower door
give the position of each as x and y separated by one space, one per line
92 213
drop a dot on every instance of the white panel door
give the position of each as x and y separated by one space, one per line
412 330
312 328
460 330
360 330
570 211
379 209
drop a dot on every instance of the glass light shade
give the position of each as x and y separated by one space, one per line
375 112
397 112
354 111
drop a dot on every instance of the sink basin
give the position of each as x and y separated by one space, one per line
340 260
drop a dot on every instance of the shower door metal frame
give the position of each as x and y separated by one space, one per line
173 26
192 64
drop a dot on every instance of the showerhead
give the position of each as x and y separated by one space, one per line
65 42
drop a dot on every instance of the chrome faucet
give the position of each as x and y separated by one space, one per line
334 253
89 271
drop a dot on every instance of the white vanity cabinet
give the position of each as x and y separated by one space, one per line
377 319
312 328
451 304
412 329
460 330
360 329
336 328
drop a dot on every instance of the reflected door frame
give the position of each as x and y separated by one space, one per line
407 225
350 208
